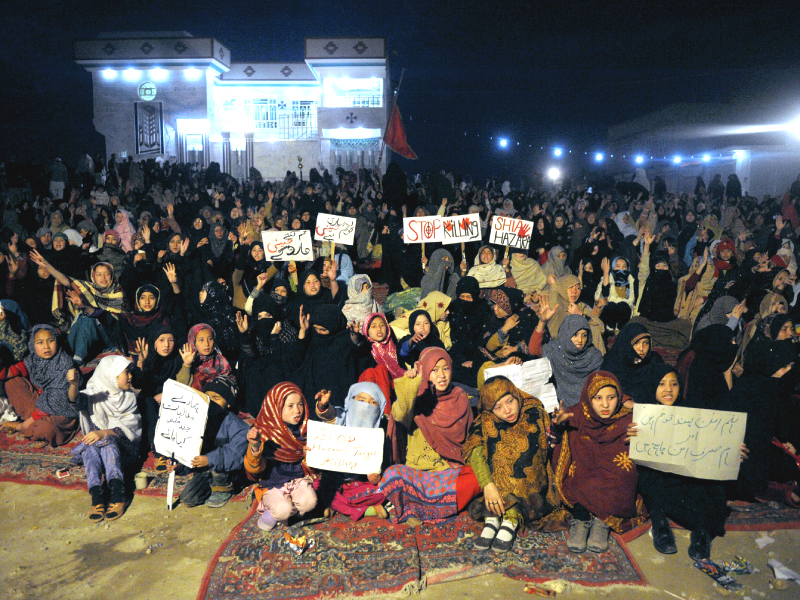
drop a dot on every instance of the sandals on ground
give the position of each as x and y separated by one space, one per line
502 546
115 511
97 513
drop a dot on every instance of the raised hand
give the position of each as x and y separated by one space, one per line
38 259
739 310
261 280
545 311
648 238
202 242
184 246
75 298
277 328
605 264
305 319
510 323
187 355
560 415
74 376
142 349
241 322
171 273
146 234
323 398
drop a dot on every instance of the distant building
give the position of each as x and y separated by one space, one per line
172 95
683 141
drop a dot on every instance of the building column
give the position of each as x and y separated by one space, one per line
248 153
226 152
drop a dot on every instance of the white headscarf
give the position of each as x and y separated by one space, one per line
109 407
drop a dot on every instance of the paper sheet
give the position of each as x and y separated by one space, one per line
345 449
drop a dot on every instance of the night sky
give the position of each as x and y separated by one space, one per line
539 73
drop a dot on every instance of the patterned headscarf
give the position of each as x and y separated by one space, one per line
384 352
50 376
208 367
285 446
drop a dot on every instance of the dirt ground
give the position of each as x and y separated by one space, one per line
50 551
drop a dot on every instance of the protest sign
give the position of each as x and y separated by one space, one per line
695 442
506 231
461 228
181 422
336 229
287 245
531 377
345 449
418 230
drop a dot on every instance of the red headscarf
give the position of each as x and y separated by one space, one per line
208 367
380 376
593 467
271 426
385 352
444 417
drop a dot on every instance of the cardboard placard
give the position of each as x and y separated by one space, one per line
461 228
334 228
287 245
418 230
695 442
345 449
506 231
181 422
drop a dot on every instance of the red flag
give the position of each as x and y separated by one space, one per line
395 136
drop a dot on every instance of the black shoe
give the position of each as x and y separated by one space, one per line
117 491
700 544
663 538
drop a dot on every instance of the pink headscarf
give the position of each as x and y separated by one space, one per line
125 230
385 352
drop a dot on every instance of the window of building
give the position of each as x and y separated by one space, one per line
302 111
263 112
347 91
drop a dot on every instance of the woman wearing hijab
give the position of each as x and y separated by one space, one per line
468 312
421 334
625 224
631 359
360 301
111 427
594 476
617 293
124 229
508 330
695 504
433 484
556 264
252 263
542 238
487 271
437 305
202 360
218 253
147 316
440 275
311 294
383 349
13 332
65 257
528 274
507 450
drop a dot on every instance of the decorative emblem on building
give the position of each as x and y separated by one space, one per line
286 71
282 105
147 91
180 47
351 118
360 47
146 48
249 70
330 48
109 49
221 53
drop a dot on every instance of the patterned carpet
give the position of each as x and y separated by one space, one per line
372 556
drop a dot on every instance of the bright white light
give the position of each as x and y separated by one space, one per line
676 160
706 158
193 126
192 74
737 154
131 74
599 157
159 74
639 159
558 152
554 173
503 142
794 127
350 133
109 74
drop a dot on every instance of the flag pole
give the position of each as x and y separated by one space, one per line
389 118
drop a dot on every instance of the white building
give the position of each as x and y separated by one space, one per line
173 95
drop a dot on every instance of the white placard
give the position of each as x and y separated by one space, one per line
333 228
418 230
345 449
531 377
506 231
461 228
287 245
181 422
695 442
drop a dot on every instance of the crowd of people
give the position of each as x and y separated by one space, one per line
119 277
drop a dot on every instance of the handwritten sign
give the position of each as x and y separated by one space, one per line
418 230
345 449
181 422
333 228
461 228
287 245
531 377
506 231
695 442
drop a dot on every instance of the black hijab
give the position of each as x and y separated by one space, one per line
431 340
156 368
714 352
632 371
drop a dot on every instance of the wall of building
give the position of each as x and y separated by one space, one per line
274 159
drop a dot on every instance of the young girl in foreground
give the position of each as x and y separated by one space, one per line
276 457
594 475
111 426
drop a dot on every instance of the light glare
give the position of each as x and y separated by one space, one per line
599 157
131 74
503 142
676 160
554 173
558 152
159 74
639 160
192 74
706 158
109 74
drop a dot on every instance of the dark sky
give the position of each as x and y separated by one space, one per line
539 73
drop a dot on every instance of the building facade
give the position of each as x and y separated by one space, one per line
180 97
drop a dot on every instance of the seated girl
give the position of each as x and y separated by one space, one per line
111 427
695 504
489 273
632 359
148 314
223 449
37 389
358 496
618 298
507 450
434 484
202 360
360 301
437 305
593 474
382 347
276 457
422 334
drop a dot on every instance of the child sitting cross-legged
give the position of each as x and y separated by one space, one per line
276 457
